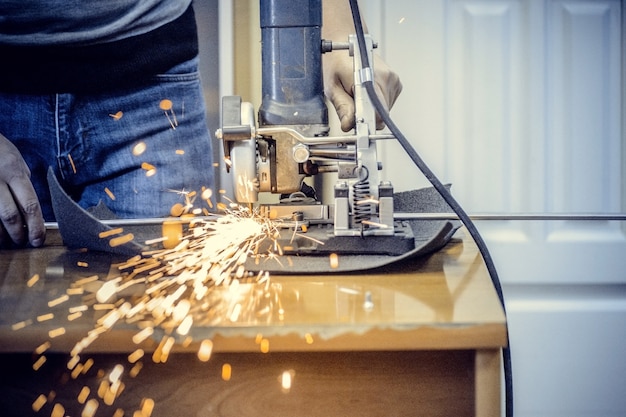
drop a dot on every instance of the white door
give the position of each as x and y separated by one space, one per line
519 104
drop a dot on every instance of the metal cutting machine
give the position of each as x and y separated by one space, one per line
289 139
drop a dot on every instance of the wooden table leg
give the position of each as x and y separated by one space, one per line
488 382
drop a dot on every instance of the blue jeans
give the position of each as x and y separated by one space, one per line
91 142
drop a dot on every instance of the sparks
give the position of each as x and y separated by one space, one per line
200 280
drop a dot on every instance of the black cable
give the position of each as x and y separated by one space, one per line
445 194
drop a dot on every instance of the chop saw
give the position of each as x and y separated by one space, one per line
289 140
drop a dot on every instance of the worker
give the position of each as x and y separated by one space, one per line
109 96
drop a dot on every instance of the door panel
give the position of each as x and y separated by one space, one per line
565 345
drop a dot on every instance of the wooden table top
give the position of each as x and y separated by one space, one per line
442 301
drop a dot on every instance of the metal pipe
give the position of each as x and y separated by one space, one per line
514 216
397 216
139 222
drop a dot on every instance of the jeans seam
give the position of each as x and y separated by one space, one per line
177 77
57 131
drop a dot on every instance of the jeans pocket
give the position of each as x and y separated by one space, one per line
185 71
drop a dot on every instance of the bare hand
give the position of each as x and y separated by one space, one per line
21 219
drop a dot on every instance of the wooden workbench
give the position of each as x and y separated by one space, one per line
420 339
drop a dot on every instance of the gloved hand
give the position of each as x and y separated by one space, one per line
339 85
339 72
21 219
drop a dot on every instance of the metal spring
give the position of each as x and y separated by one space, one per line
361 210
